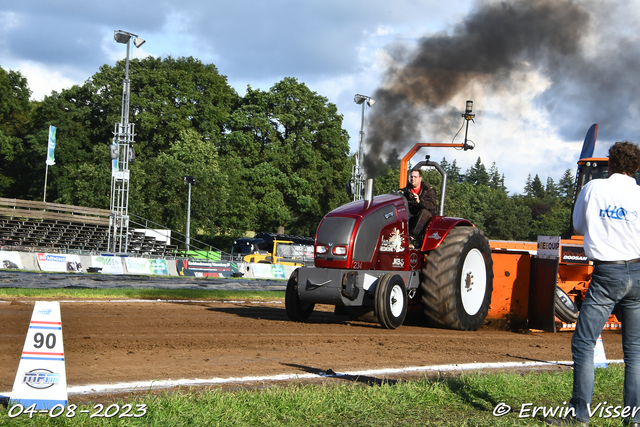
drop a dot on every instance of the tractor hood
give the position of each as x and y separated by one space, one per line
348 236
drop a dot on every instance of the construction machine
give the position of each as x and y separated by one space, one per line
546 292
272 248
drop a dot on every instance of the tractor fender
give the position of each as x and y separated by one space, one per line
438 228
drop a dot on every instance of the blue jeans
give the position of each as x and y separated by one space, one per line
611 284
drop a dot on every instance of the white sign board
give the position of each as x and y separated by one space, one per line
59 262
10 260
268 271
108 264
146 266
548 247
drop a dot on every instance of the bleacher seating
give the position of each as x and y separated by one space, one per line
52 227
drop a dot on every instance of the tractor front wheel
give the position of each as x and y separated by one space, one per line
391 301
457 280
297 310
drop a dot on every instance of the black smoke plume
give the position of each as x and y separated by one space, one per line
491 47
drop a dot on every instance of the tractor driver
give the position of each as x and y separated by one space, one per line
422 203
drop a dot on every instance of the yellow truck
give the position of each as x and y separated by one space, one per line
271 248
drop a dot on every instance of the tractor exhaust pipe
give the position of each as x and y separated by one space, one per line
368 193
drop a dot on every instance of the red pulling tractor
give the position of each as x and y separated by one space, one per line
366 267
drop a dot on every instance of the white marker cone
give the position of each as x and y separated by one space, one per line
41 378
599 358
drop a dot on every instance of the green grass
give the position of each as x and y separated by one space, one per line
464 400
173 294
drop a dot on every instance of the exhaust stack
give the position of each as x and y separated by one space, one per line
368 193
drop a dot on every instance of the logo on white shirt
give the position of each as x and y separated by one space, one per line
618 213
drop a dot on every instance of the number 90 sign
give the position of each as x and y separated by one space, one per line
41 376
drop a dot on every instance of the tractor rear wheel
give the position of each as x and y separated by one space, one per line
297 310
457 280
390 305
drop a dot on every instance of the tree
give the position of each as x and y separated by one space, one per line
477 174
492 210
551 190
159 193
168 97
14 102
536 188
15 110
496 181
528 190
291 144
388 182
566 187
554 222
452 170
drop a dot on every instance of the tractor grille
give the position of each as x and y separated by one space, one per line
336 231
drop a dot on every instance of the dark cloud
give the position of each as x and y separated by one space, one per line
56 47
602 87
491 47
249 40
284 38
70 33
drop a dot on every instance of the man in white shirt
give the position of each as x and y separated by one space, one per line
607 213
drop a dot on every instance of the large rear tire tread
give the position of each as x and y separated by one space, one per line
297 310
440 285
390 305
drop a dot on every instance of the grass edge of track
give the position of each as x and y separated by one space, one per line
150 294
467 399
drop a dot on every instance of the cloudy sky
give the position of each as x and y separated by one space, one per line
540 72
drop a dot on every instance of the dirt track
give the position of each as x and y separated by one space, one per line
122 342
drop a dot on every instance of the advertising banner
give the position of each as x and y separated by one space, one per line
10 260
573 255
206 268
146 266
268 271
59 262
108 264
51 146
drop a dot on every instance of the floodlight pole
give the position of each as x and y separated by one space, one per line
188 180
358 176
188 220
123 139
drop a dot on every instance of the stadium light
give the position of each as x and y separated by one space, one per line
356 186
122 150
